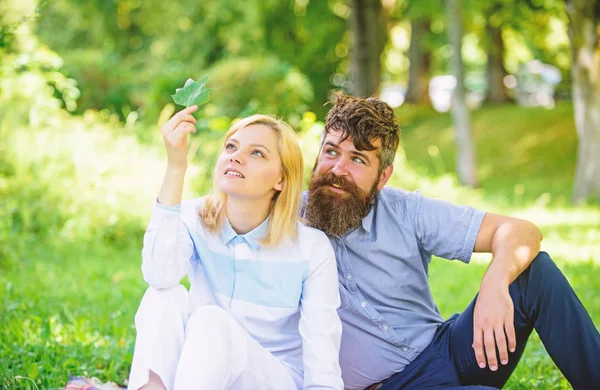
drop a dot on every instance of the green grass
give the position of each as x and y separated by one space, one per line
69 290
67 308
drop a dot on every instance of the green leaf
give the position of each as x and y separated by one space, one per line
33 370
192 93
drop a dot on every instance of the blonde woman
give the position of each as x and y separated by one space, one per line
261 312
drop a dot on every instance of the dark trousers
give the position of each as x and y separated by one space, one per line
544 301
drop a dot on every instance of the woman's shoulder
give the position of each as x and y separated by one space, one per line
307 234
190 210
192 204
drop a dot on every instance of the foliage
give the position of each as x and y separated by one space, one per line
243 86
126 53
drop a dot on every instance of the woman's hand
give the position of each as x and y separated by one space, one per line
175 133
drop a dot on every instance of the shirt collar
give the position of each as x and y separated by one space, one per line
253 237
367 221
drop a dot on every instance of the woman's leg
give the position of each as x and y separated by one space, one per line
160 323
220 354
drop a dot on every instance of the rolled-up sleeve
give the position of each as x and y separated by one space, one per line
168 248
320 325
444 229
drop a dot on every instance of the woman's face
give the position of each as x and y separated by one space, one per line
250 165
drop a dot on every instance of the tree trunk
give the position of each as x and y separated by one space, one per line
420 60
367 46
495 65
465 163
584 31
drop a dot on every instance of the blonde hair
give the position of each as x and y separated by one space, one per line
285 206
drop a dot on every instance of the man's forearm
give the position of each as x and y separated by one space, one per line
515 244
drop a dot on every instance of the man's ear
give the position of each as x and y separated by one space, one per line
384 177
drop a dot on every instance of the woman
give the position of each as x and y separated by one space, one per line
261 312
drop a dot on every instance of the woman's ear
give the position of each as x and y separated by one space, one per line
279 185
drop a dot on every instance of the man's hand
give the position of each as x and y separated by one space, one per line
514 243
493 324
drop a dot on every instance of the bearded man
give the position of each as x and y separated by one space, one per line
384 238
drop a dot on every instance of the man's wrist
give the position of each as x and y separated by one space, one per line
496 276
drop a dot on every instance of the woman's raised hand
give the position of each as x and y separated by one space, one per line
175 133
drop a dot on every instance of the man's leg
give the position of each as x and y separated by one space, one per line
544 300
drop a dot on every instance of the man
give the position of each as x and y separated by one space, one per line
384 238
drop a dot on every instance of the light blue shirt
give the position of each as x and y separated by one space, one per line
387 310
285 296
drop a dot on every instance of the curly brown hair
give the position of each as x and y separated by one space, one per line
365 120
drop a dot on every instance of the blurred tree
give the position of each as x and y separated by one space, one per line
465 165
310 35
368 38
496 91
420 14
420 61
585 40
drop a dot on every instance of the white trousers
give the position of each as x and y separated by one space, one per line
203 349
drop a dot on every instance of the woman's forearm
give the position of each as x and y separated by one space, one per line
172 185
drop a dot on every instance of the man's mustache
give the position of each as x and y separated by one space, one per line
330 179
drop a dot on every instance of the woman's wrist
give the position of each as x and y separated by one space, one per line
176 168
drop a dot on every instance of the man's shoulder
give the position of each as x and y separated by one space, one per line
396 196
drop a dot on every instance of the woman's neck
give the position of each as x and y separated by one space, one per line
246 215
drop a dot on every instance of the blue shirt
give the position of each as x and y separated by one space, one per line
387 310
285 296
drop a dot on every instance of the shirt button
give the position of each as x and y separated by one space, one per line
385 327
349 276
405 348
363 304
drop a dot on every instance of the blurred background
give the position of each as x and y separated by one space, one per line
498 100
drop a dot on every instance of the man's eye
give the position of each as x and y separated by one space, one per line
331 152
358 160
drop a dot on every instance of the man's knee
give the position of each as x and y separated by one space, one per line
542 271
542 264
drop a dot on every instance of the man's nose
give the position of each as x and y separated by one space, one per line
340 168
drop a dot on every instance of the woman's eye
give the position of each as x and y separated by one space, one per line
229 146
258 153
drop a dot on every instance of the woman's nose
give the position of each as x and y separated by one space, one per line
235 156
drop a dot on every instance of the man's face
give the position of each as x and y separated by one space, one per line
344 184
360 167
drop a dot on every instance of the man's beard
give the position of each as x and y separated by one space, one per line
337 214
